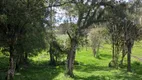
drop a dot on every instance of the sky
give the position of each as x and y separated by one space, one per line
123 0
61 15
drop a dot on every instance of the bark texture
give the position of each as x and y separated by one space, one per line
10 74
129 46
71 57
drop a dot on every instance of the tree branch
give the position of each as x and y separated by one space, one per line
69 35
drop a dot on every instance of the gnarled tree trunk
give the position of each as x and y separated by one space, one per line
129 46
71 57
10 74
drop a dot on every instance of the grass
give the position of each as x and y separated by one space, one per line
137 49
89 68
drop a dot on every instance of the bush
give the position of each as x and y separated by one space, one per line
97 37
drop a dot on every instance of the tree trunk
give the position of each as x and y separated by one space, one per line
116 55
21 59
97 51
124 52
113 51
121 62
18 57
129 57
112 63
52 59
26 58
94 51
129 44
71 57
10 74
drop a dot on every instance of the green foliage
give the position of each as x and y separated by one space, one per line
122 28
97 37
16 18
34 40
21 26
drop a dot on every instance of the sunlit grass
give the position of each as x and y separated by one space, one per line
89 67
137 49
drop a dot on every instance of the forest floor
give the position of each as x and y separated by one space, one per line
89 67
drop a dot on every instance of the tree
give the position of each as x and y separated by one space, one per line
31 42
130 31
124 32
87 13
97 37
15 16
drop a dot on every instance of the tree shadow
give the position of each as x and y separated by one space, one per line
90 68
34 71
93 78
119 76
108 56
39 71
128 76
136 73
137 67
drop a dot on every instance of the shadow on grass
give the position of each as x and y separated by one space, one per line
93 78
39 71
128 76
106 56
34 71
91 68
120 76
137 67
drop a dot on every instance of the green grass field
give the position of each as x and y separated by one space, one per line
89 67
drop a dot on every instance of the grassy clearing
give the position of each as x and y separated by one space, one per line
89 68
137 49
